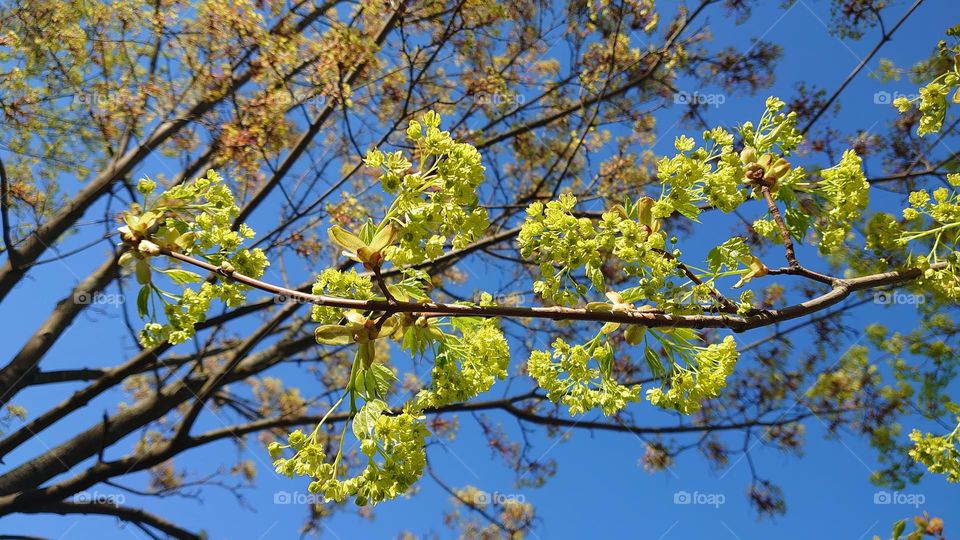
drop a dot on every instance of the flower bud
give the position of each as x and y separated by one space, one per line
748 155
780 168
766 161
634 334
148 247
754 173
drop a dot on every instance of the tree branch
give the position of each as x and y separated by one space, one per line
842 288
124 513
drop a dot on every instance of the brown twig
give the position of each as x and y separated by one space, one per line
727 303
841 289
791 253
5 215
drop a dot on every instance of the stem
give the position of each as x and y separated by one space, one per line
791 253
840 289
727 304
316 430
382 284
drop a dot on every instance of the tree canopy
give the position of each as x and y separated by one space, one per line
289 193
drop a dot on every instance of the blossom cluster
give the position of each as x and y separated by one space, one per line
333 282
438 201
690 385
935 221
940 454
398 439
573 381
192 218
466 367
933 96
562 243
845 191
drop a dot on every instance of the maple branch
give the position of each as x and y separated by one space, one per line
123 513
5 213
841 289
774 210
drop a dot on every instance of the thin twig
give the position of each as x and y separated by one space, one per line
841 289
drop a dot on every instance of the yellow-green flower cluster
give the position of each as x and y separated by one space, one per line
562 243
844 386
776 133
204 207
941 233
943 282
933 96
722 186
933 103
436 203
571 379
397 438
883 233
333 282
181 317
940 454
468 366
943 208
711 173
846 192
190 218
689 386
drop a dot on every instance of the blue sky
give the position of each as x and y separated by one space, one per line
599 488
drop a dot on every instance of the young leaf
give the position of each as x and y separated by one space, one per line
142 298
898 528
366 419
345 239
182 277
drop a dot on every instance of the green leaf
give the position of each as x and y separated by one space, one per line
345 239
384 238
182 277
604 356
366 419
656 367
898 528
798 222
143 297
728 254
143 271
383 377
595 276
367 230
370 384
688 210
186 240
